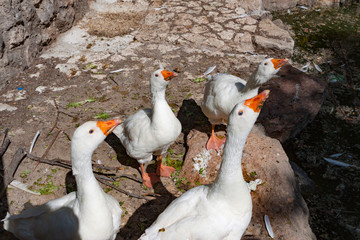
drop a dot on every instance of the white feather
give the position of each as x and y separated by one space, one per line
119 70
306 66
159 8
317 67
303 7
337 163
336 155
22 186
268 226
242 15
210 69
34 140
288 11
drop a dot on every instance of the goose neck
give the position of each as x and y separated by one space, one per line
253 83
87 185
230 172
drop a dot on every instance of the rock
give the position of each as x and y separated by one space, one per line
295 99
251 5
27 26
308 2
278 197
272 5
269 29
243 42
329 2
274 38
305 183
280 24
16 36
273 46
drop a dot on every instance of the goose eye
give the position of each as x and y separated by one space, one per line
91 131
240 112
266 63
156 75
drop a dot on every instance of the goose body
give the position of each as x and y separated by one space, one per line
89 213
151 131
223 209
223 91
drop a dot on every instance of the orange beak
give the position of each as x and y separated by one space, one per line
167 75
257 102
108 126
278 63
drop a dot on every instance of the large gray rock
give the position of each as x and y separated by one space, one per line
273 40
273 5
27 26
278 197
295 99
251 5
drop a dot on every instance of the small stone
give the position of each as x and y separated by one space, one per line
17 36
239 10
199 29
243 42
250 28
227 35
216 26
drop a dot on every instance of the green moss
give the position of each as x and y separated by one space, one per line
102 116
177 164
24 174
45 188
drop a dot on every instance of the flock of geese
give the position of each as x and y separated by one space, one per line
221 210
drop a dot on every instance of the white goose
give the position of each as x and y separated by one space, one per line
221 210
223 91
151 131
89 213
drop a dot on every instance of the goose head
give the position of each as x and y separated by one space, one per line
268 69
160 79
89 135
245 113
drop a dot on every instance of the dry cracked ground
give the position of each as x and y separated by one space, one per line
72 82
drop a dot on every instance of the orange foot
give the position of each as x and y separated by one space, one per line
164 171
150 179
215 143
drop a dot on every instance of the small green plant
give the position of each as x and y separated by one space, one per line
198 183
253 174
102 116
78 104
116 184
24 174
201 171
46 188
91 66
177 164
199 80
136 96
